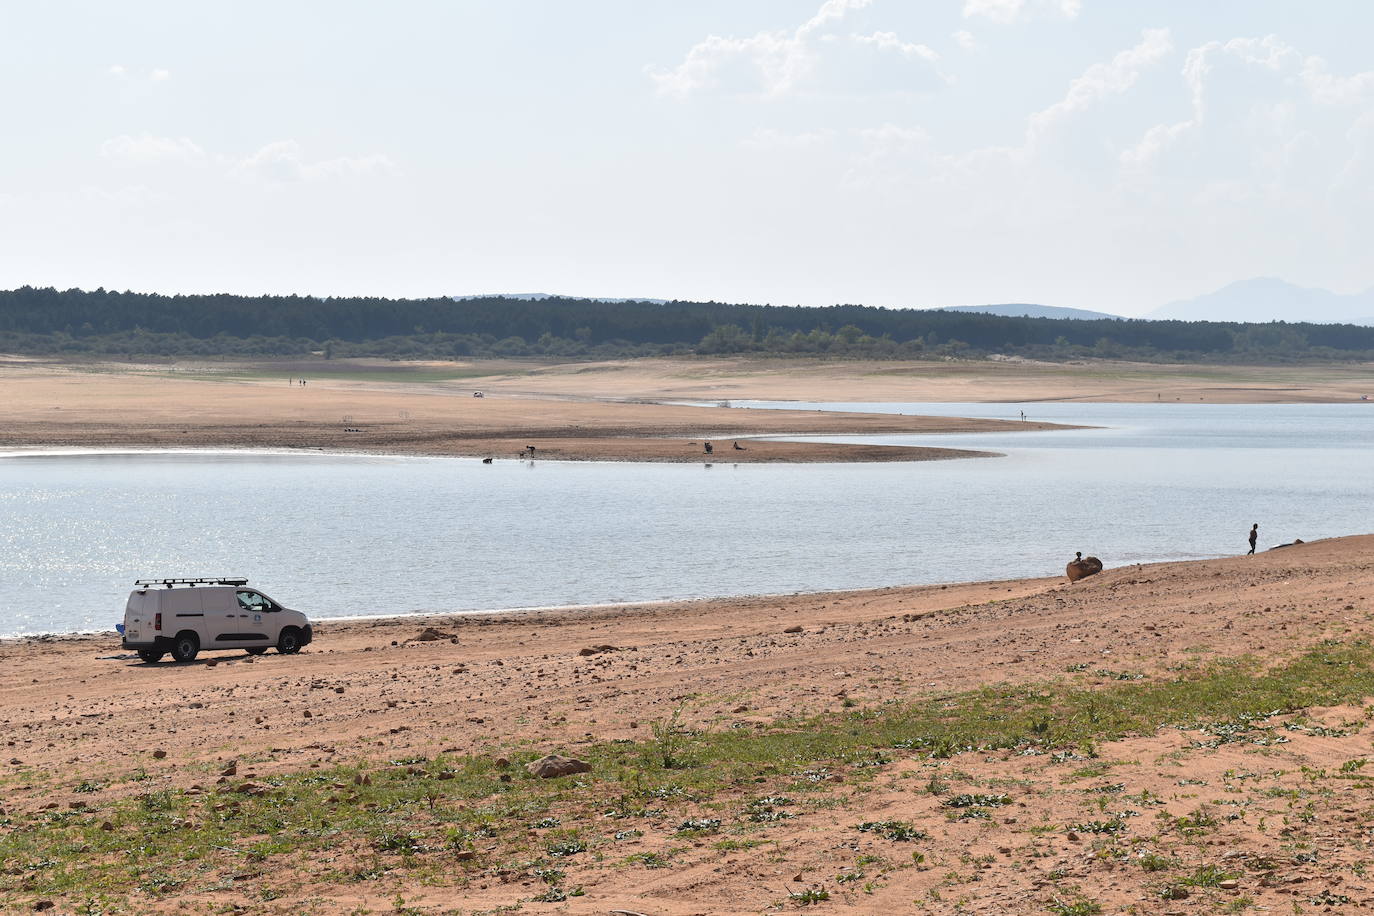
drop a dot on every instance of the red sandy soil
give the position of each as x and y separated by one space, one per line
78 708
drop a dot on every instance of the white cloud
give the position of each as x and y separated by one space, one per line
159 75
116 70
1329 89
1005 12
148 150
996 10
1269 53
888 41
813 56
1313 72
893 155
283 162
966 40
1105 79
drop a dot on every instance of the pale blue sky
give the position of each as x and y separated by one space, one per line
1087 153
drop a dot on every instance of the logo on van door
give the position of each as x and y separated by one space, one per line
257 618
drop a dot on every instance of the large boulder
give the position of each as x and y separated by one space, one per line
553 765
1082 567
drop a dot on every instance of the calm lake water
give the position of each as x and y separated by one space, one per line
344 535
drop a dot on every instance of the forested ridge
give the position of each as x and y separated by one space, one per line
106 323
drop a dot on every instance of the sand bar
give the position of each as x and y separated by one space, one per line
101 408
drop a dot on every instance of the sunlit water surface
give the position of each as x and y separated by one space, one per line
346 535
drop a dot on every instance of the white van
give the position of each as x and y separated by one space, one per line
183 616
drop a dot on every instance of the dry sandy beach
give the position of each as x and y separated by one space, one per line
989 381
578 411
104 408
1283 819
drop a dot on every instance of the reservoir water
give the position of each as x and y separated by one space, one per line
336 535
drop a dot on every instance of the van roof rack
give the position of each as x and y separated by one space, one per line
170 582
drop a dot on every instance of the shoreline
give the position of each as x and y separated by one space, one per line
772 451
573 613
561 611
95 736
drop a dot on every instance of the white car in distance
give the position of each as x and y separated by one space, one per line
185 616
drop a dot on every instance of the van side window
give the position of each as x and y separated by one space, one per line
252 601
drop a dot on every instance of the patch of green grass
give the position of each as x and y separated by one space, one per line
1199 821
1115 825
409 820
564 848
1080 906
809 896
1153 862
649 859
1206 876
698 826
977 801
558 894
900 831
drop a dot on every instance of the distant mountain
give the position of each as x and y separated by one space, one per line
1272 299
1027 310
535 297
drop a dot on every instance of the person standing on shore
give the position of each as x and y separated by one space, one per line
1254 536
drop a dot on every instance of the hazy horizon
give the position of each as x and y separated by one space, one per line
1069 153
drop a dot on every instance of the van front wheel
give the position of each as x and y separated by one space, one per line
151 656
185 647
289 642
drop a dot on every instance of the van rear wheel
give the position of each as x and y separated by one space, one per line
289 642
151 656
185 647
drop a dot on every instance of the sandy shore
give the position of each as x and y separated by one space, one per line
989 381
105 407
79 710
619 410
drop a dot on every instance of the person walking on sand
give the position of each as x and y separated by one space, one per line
1254 536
